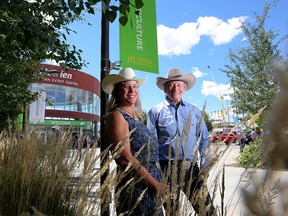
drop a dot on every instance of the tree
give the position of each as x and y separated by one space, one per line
250 67
145 116
208 122
33 31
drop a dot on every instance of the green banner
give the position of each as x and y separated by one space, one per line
19 125
138 39
84 124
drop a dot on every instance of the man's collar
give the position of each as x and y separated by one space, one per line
169 102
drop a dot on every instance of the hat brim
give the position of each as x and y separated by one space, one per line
189 80
111 80
57 128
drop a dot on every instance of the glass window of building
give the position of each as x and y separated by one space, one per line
68 98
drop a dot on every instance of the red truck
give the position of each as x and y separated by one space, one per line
227 136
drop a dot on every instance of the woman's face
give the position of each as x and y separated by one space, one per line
129 92
175 90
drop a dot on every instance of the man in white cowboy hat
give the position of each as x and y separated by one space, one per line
178 125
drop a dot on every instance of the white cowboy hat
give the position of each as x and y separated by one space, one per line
125 74
176 74
56 127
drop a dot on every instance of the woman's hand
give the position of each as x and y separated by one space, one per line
163 190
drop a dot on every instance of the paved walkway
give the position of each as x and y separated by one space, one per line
237 180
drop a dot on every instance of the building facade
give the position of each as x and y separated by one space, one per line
72 101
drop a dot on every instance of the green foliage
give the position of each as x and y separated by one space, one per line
14 93
252 155
32 32
36 31
124 10
145 116
208 122
249 69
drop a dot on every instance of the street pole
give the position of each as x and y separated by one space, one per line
105 69
24 116
228 111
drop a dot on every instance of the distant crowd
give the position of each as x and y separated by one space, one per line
84 142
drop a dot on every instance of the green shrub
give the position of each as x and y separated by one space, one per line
251 155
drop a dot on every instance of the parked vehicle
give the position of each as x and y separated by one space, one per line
228 137
216 134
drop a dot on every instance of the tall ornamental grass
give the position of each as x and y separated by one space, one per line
39 177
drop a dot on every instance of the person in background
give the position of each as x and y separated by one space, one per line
124 128
75 142
56 132
88 142
178 125
98 140
249 135
246 139
254 134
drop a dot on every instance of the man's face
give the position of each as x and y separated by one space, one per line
175 90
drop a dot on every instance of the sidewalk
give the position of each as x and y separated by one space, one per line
232 192
239 179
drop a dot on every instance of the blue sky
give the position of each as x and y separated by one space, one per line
192 35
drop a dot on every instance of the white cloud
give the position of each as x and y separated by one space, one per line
179 41
219 31
214 89
51 61
197 73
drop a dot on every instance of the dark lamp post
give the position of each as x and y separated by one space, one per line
105 70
